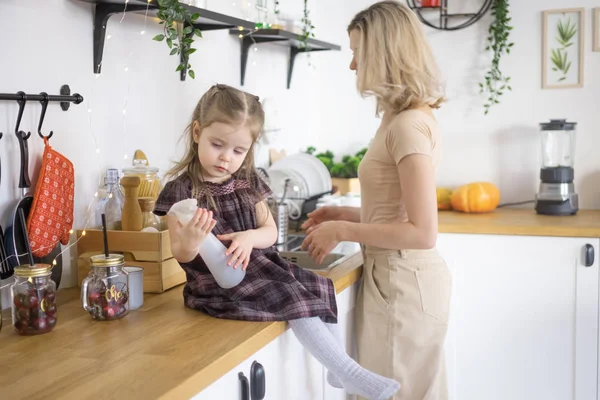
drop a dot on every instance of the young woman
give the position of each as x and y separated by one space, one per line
403 303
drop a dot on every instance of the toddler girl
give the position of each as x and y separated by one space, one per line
218 170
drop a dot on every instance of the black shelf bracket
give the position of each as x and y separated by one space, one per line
281 38
247 42
294 51
102 13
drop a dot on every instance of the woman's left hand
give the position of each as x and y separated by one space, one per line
321 239
240 248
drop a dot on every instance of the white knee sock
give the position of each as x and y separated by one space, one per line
320 342
332 378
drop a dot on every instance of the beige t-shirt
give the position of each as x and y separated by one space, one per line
409 132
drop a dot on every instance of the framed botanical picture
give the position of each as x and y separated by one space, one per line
596 30
562 48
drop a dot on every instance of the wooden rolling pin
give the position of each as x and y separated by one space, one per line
132 212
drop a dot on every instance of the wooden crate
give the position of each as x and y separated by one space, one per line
148 250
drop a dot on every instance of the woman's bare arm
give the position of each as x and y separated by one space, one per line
417 178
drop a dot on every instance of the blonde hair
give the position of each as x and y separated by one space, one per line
394 60
228 105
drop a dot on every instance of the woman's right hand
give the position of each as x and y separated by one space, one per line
326 213
194 232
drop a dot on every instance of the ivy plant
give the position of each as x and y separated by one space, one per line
178 31
307 27
495 82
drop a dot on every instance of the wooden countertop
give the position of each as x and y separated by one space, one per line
507 221
167 351
162 350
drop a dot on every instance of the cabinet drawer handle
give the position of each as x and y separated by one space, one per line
588 255
245 389
258 385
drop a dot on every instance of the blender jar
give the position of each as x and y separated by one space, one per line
558 143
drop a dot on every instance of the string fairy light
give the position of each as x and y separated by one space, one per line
64 248
90 212
90 209
143 31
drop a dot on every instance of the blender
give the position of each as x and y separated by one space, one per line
556 195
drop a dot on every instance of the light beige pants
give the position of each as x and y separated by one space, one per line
402 312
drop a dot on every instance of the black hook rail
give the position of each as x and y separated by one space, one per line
75 98
65 97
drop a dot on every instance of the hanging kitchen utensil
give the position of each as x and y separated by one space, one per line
13 237
15 247
5 269
51 217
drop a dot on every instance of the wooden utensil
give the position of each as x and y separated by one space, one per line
132 212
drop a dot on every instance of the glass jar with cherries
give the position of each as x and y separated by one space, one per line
33 300
105 291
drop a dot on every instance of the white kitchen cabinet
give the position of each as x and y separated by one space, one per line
291 372
524 317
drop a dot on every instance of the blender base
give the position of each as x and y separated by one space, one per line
570 206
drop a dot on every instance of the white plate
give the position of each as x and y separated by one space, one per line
314 172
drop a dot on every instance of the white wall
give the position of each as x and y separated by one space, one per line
46 44
503 147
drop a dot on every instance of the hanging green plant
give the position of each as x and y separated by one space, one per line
495 82
178 31
307 28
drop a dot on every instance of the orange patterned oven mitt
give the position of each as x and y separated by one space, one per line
51 215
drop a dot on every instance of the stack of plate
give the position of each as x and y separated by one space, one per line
310 168
307 176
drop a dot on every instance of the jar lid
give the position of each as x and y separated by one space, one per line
558 125
141 169
27 271
140 165
112 260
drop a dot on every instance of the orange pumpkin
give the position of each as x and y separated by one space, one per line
443 198
476 197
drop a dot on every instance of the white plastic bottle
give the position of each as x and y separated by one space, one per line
212 252
211 249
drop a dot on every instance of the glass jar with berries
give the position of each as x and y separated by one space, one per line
105 291
33 300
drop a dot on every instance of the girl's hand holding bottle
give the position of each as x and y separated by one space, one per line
240 248
194 232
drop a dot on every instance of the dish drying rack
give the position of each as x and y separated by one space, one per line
308 204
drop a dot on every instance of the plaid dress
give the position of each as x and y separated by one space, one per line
273 289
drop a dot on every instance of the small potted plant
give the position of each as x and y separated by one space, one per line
344 174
